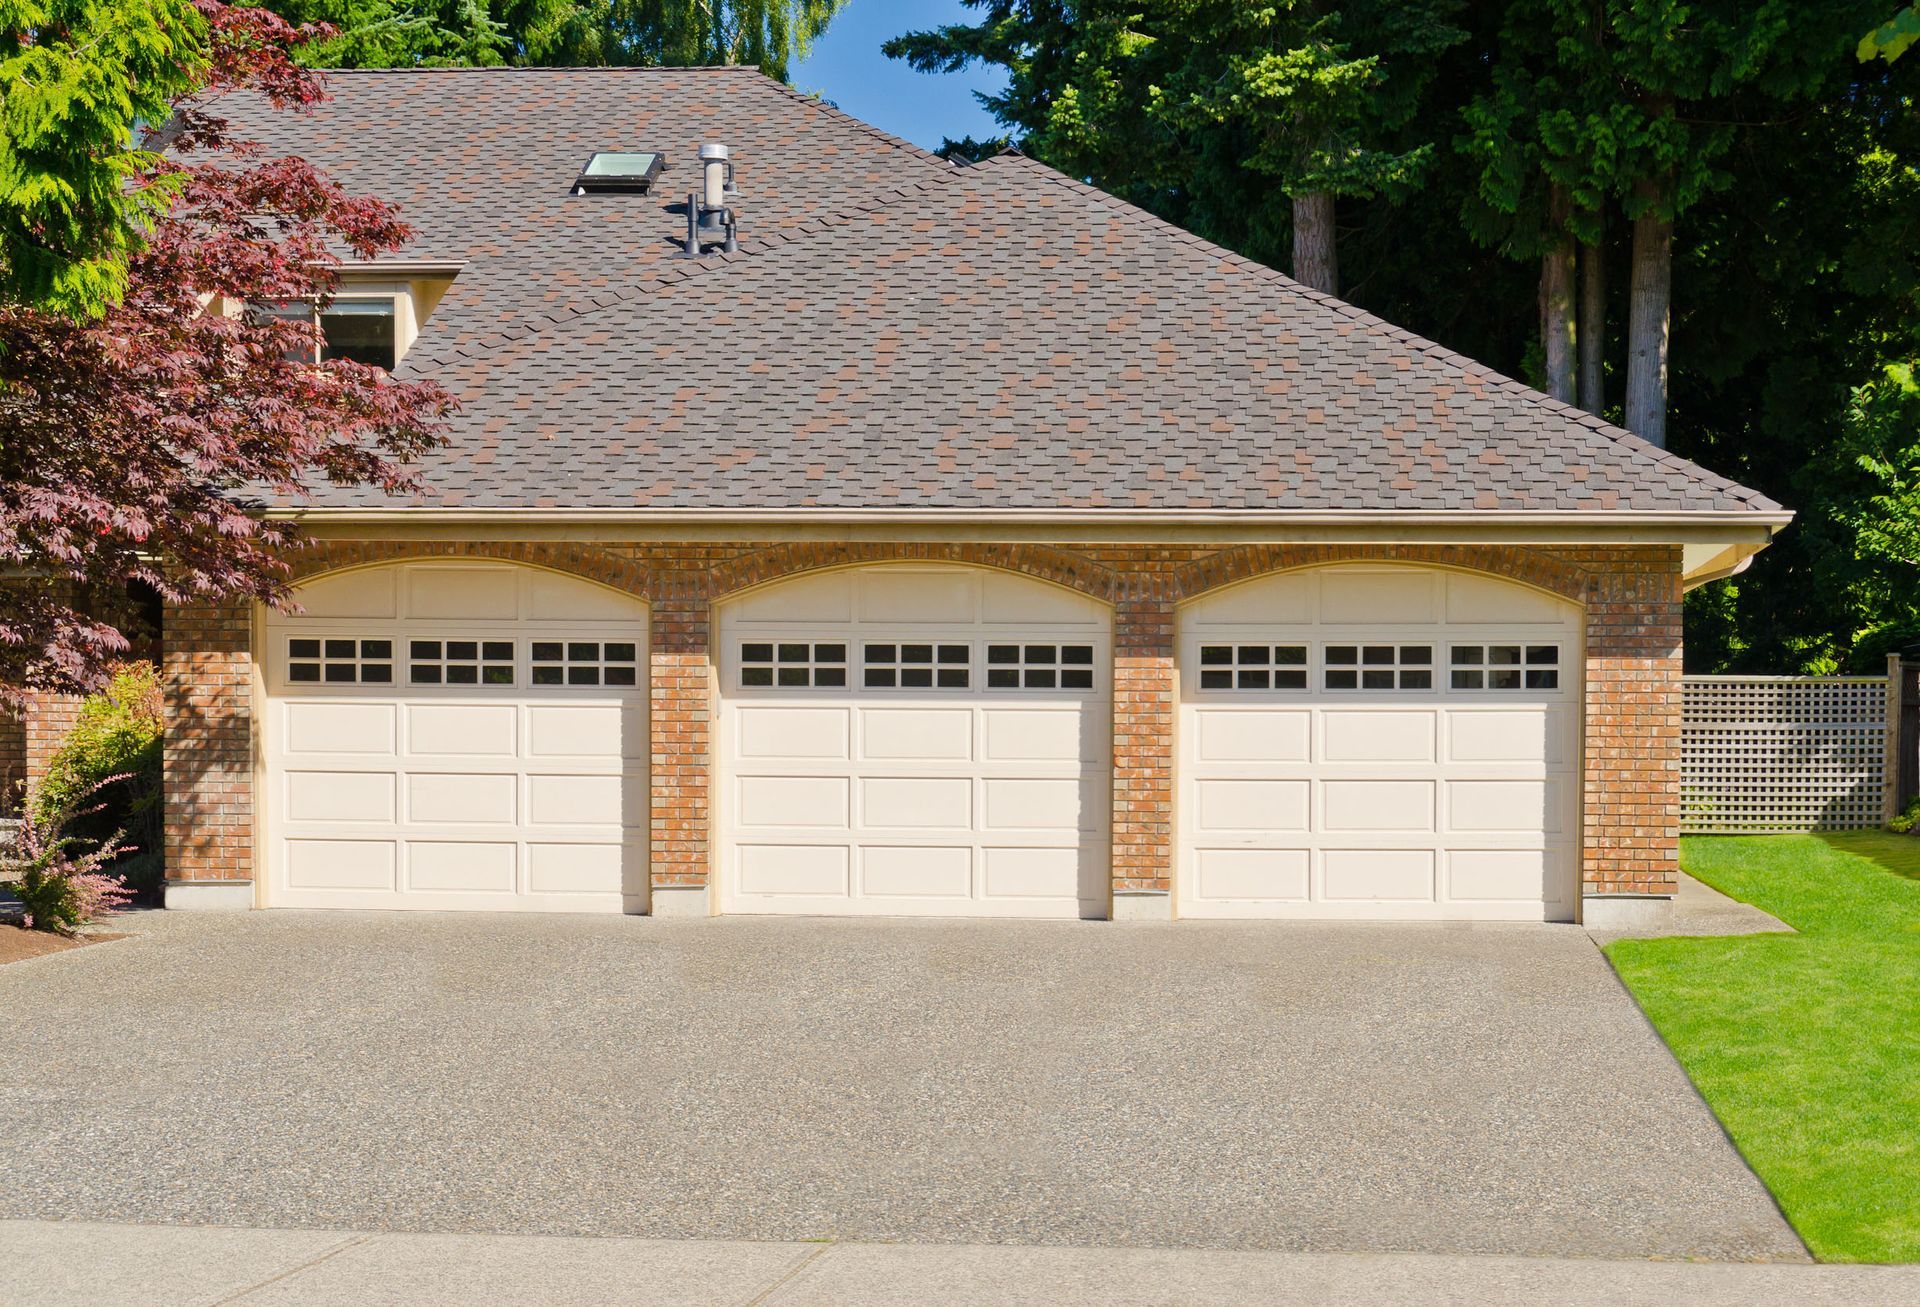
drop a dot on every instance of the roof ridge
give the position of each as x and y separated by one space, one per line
677 272
545 68
1629 442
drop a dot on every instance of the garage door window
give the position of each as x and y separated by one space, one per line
460 662
1040 666
1379 667
586 662
1253 667
1505 667
792 664
340 662
916 666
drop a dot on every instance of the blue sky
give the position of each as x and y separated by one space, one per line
846 66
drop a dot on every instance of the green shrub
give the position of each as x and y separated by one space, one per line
115 736
60 888
1904 823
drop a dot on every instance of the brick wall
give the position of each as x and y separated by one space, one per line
13 760
1631 594
207 671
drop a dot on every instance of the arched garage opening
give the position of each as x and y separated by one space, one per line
1379 742
914 740
455 734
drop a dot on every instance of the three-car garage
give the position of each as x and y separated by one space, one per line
1364 741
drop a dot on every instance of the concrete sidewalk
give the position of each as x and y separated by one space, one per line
54 1264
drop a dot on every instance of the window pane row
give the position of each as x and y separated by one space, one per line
911 665
793 664
339 660
1253 667
586 662
1380 667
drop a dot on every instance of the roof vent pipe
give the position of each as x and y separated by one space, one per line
710 219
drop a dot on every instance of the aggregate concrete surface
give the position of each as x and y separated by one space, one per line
1443 1089
58 1264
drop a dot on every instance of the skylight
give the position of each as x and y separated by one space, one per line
618 171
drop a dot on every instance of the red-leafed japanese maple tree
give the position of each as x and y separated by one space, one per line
137 445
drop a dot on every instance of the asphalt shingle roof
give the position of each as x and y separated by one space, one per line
896 332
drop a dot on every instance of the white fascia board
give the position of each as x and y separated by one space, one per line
1457 524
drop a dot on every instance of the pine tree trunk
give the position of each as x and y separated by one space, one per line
1592 336
1316 261
1649 320
1556 298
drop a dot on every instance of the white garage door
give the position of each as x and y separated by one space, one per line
1379 743
915 741
444 735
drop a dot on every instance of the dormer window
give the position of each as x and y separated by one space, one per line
609 170
364 330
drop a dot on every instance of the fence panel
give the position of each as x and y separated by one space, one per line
1782 753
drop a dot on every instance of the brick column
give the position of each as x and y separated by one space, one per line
1144 692
680 722
1630 841
43 727
207 674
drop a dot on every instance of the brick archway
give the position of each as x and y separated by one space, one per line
1040 562
588 562
1525 566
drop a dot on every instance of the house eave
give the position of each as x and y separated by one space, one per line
1714 543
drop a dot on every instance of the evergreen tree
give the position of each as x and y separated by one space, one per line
769 34
1214 112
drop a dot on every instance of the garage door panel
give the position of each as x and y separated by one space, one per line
572 868
1368 805
1500 875
1253 735
793 801
783 869
1523 735
1031 873
462 866
826 598
611 800
1378 875
321 864
1062 735
1279 875
335 727
370 593
1485 599
463 730
1029 803
1349 735
800 734
1507 806
1375 597
452 799
918 598
464 594
597 730
917 871
916 734
1253 805
916 803
341 796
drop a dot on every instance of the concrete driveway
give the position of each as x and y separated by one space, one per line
1318 1088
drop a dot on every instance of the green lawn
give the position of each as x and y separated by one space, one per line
1808 1045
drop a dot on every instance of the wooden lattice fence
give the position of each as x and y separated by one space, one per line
1784 753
